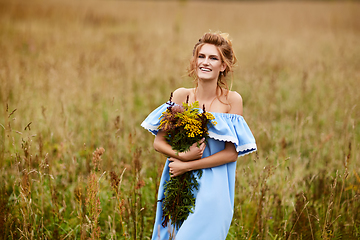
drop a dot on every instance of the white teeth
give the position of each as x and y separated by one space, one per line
205 69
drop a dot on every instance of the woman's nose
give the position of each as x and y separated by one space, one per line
206 61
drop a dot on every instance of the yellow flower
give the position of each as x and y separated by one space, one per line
209 116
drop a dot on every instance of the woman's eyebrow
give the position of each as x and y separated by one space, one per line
212 55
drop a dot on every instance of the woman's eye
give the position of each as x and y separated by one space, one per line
200 56
214 58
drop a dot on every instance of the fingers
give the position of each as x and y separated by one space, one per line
170 166
199 142
202 146
171 172
174 168
170 169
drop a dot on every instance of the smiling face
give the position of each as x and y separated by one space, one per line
209 63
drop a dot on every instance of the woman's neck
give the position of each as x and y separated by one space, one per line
206 90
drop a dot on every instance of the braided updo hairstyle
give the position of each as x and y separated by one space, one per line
223 44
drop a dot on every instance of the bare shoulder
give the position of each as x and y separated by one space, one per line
236 103
180 95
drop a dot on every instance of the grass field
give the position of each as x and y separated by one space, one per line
78 77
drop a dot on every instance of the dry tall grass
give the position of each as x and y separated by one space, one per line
78 76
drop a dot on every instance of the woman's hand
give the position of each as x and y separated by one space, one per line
195 152
177 167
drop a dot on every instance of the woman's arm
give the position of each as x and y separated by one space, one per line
162 146
229 154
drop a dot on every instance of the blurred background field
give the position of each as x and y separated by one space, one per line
78 77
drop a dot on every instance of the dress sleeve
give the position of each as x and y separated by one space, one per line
233 128
152 121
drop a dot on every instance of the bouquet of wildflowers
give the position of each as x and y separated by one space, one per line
183 126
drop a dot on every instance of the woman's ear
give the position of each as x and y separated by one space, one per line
223 67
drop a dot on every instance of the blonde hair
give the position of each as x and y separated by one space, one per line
222 42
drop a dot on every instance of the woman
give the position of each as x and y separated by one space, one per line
213 58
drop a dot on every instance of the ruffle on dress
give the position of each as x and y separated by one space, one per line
229 128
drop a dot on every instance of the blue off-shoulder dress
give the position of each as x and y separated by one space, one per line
214 202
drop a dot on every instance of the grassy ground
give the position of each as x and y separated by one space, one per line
78 78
